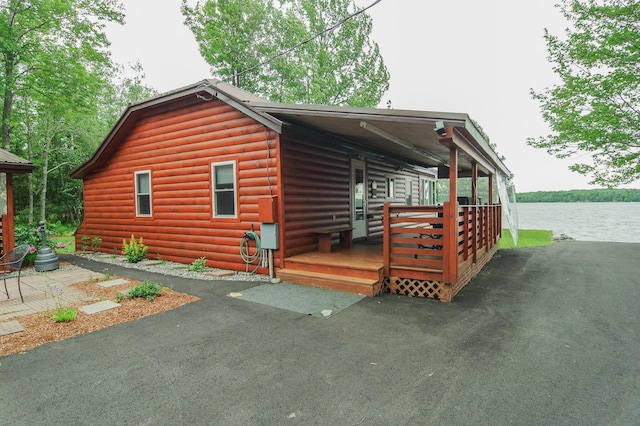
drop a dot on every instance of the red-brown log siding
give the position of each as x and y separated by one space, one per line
316 182
177 142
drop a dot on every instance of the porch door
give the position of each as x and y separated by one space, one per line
358 199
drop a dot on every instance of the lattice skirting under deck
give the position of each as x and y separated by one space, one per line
436 289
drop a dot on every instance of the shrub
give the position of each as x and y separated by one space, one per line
146 289
198 265
27 235
134 250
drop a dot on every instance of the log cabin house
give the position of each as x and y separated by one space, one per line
339 197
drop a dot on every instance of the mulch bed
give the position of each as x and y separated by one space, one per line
39 328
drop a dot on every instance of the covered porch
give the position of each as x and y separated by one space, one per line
430 251
424 249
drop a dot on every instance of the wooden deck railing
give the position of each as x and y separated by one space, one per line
420 243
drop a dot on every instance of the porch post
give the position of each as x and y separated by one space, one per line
386 239
490 189
451 219
453 174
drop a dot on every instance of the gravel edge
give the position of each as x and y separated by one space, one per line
174 269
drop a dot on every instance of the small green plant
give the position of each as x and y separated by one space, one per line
64 314
107 275
134 250
198 265
61 313
146 289
95 243
84 242
162 260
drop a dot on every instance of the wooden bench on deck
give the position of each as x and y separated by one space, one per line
324 237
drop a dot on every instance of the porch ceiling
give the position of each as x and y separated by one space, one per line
406 134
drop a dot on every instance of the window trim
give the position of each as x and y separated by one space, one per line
390 187
138 193
213 165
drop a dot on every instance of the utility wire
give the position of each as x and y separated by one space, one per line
327 30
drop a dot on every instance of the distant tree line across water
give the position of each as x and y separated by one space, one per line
580 196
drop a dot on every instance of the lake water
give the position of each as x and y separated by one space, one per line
618 222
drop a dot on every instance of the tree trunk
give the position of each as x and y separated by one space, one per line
7 105
30 181
45 171
43 192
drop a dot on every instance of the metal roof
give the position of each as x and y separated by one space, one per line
10 163
406 134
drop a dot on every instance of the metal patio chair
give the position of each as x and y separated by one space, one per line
11 266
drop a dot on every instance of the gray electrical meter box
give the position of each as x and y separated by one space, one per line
269 236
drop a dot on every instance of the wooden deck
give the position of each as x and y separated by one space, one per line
421 254
358 269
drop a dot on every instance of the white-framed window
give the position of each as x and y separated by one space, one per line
223 184
143 193
427 192
390 187
408 192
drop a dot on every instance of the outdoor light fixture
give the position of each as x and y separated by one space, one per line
374 189
440 130
373 129
378 131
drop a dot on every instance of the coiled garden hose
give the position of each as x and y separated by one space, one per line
245 250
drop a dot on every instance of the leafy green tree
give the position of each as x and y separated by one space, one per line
283 51
30 29
595 109
61 94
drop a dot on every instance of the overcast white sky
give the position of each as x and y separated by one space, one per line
467 56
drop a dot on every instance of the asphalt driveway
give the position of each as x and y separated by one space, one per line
543 336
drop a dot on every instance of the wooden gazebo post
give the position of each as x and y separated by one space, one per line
8 233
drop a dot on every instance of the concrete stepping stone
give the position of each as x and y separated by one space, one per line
10 327
112 283
99 307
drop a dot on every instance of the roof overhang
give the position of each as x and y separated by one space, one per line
405 134
10 163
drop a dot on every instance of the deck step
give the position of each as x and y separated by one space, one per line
366 286
369 272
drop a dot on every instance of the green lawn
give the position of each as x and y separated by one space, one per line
68 241
526 238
